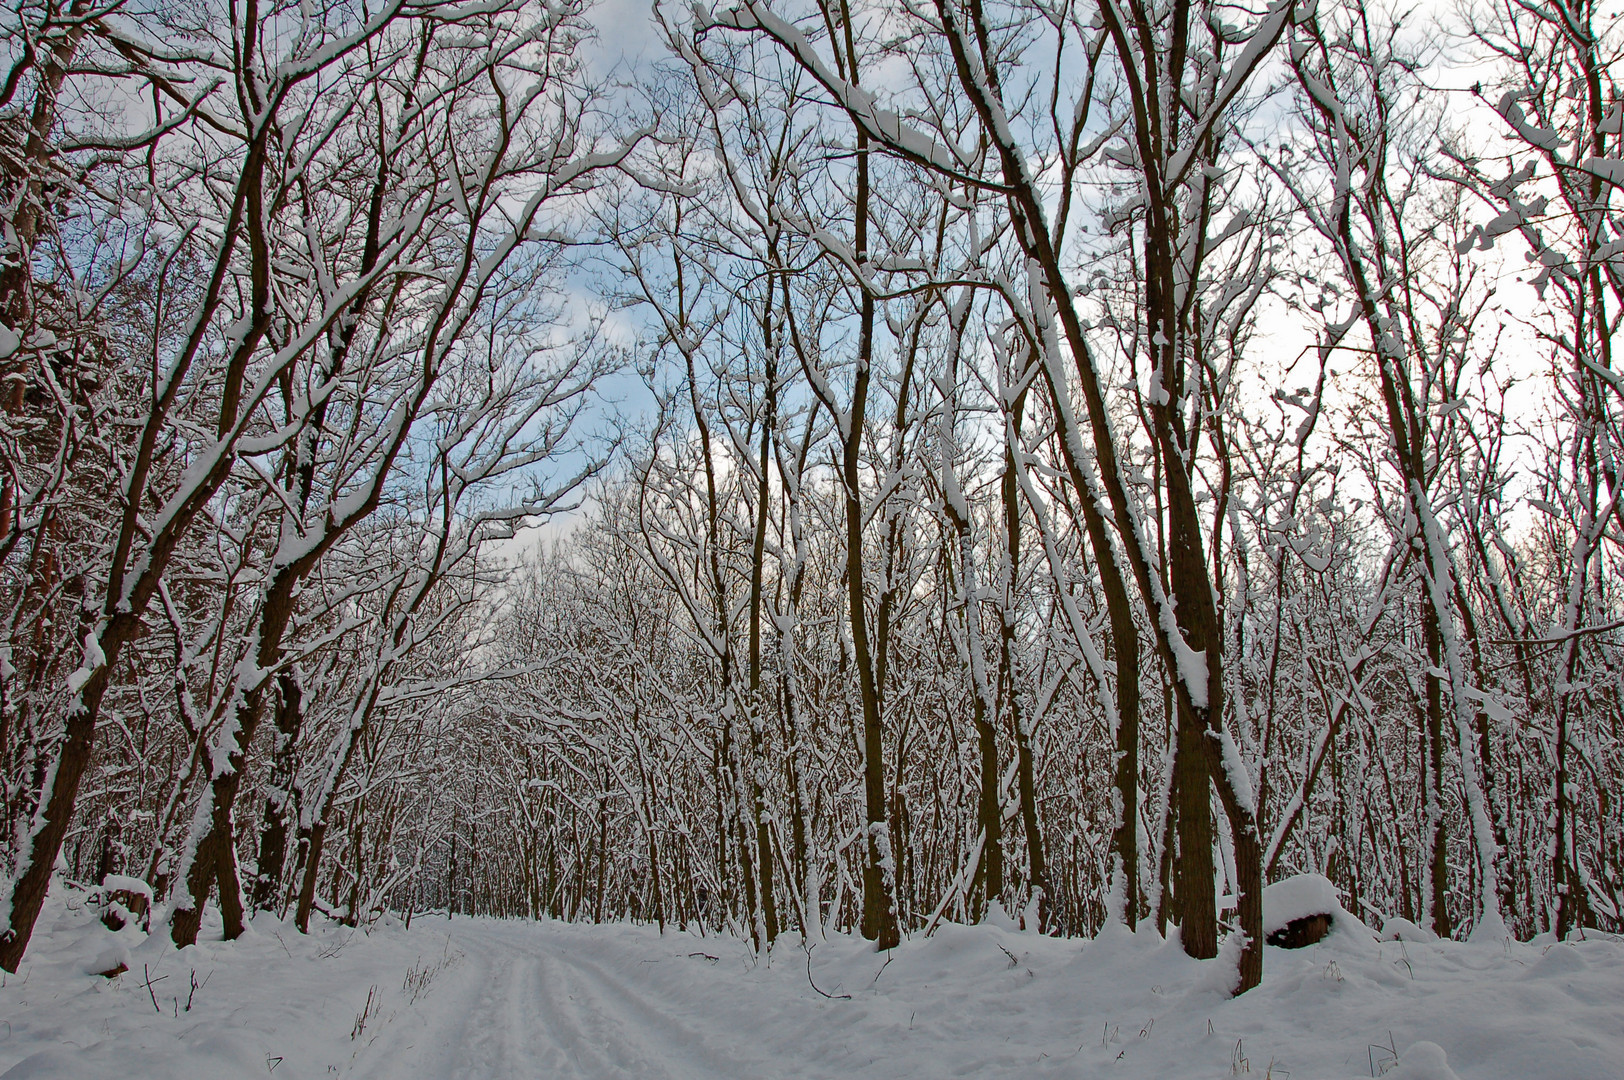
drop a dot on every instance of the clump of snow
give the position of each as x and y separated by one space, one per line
1490 929
1560 961
1218 977
108 961
121 883
1396 928
1003 920
1423 1061
1303 895
1031 914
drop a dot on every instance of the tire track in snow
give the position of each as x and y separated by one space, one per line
430 1037
524 1007
650 1037
491 1038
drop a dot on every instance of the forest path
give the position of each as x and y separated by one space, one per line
478 999
518 1003
545 1000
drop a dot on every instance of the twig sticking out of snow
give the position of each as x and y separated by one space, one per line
815 986
148 980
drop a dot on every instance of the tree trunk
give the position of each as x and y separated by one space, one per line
281 807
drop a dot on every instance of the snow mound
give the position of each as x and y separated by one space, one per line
108 961
1424 1061
1303 895
998 917
51 1064
1400 929
1297 898
120 883
1219 976
1560 961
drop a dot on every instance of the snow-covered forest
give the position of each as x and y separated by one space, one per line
857 468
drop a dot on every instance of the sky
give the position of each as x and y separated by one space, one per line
626 34
627 45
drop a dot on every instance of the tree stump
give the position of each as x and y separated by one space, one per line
125 900
1302 932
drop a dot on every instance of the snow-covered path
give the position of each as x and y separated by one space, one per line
592 1002
477 999
523 1004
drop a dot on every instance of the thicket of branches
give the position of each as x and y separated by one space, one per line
1098 459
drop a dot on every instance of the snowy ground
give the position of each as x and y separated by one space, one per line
477 998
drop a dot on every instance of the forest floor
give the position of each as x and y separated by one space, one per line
482 998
